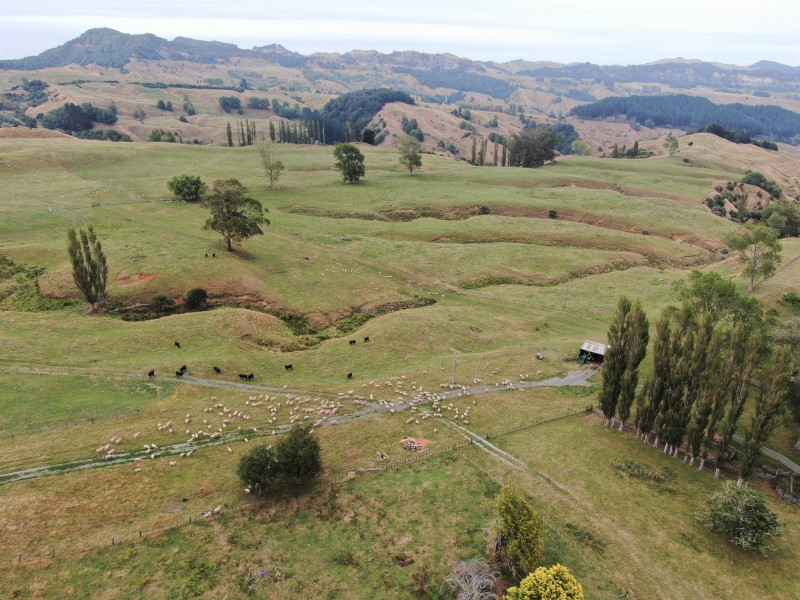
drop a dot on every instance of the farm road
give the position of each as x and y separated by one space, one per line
573 378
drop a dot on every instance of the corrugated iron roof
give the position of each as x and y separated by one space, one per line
595 347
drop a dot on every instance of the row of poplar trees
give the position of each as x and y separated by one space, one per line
710 357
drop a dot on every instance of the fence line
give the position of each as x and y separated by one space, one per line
794 467
21 559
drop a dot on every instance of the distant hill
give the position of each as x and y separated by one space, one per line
690 112
764 75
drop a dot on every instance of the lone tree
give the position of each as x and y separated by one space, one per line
742 516
272 166
349 161
532 148
759 251
555 583
410 156
89 268
188 188
671 144
519 546
233 215
295 462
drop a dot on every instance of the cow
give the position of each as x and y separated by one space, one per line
366 339
183 369
287 367
250 377
177 345
151 373
243 376
178 374
352 342
217 370
349 375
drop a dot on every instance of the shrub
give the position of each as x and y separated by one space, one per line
161 303
555 583
519 546
742 516
552 214
186 187
195 298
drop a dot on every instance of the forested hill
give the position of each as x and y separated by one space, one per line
764 74
691 112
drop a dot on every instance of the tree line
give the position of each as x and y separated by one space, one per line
711 356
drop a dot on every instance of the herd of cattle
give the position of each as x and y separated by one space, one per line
243 376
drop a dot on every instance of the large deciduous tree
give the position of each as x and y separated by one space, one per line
233 215
349 162
410 156
273 167
759 252
532 148
89 268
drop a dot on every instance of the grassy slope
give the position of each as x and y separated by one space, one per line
49 185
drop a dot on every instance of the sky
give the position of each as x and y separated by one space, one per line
566 31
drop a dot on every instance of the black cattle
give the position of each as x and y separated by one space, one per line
213 255
287 367
349 375
217 370
177 344
250 377
183 369
178 374
366 339
206 254
151 373
243 376
352 342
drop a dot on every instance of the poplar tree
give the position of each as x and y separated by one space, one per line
745 355
503 161
770 402
473 156
271 131
650 400
496 143
637 338
89 268
229 134
614 362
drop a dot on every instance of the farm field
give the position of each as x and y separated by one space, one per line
456 273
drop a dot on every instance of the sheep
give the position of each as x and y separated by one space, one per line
229 449
288 367
177 345
151 373
137 470
217 370
172 463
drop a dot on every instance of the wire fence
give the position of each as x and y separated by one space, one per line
32 558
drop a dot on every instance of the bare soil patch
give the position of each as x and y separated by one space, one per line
135 278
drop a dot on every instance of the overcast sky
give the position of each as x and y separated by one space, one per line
599 31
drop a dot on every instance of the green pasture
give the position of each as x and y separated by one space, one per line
446 289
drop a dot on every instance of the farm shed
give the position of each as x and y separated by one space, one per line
594 352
